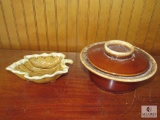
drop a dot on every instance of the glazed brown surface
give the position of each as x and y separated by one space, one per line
112 85
118 48
135 65
72 97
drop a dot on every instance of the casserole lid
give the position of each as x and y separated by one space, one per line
118 58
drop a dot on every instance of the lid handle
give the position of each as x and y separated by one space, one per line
118 49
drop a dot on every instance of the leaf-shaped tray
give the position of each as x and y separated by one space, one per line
41 68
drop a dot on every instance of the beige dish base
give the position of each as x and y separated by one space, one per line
44 80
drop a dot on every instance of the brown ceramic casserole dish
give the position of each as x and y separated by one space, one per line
117 66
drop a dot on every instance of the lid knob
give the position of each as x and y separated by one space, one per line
118 49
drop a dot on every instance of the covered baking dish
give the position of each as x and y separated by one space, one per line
117 66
